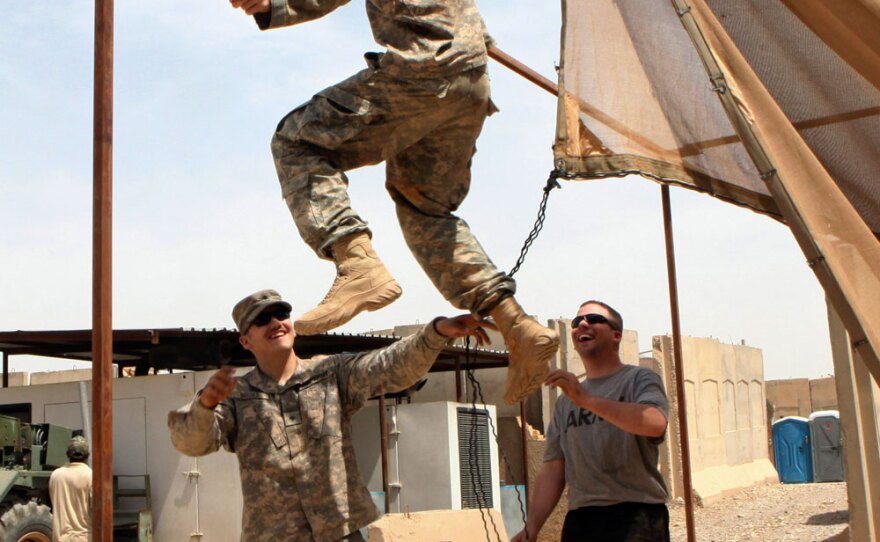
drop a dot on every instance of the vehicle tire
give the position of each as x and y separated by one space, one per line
26 522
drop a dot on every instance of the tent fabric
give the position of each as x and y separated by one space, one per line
636 98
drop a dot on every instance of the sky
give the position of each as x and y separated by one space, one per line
199 221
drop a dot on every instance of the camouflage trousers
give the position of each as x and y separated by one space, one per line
425 132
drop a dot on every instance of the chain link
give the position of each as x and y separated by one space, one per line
552 183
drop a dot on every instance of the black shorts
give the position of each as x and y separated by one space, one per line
624 522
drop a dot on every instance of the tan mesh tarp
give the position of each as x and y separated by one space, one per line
636 98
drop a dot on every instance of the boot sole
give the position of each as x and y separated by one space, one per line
371 300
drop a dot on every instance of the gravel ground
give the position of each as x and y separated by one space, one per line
769 513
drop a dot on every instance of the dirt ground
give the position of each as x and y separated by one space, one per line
769 513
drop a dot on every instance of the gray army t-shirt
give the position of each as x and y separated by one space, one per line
604 464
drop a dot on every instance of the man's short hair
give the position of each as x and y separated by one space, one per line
78 449
618 319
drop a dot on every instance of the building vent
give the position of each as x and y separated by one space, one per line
475 459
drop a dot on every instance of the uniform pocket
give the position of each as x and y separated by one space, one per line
331 118
320 408
259 409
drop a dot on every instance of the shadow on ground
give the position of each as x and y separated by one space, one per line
829 518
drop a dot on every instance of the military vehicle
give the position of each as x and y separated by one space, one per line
28 455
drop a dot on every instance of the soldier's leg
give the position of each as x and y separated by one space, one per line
335 131
428 182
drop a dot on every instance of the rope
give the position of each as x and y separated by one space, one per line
539 222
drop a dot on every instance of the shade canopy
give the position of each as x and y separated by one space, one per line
773 105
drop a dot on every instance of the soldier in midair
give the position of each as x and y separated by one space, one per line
419 107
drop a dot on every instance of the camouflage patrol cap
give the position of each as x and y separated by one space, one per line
250 307
78 448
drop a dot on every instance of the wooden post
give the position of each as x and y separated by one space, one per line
858 421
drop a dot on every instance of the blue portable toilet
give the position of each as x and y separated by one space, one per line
792 450
827 447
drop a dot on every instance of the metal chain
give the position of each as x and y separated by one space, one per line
539 223
470 363
477 390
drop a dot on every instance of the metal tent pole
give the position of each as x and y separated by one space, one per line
524 435
102 328
684 438
383 440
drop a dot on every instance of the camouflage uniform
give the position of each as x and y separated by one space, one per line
299 477
419 107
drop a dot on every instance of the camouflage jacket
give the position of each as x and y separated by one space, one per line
422 38
299 477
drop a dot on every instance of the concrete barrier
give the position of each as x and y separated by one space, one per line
727 419
439 525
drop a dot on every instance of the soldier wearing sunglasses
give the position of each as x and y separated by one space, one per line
603 442
289 421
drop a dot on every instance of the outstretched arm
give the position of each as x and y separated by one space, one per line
402 364
549 484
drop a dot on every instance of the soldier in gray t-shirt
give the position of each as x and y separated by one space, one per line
603 442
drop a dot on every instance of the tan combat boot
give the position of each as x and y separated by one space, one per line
362 283
529 345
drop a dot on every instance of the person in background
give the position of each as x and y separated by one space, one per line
70 490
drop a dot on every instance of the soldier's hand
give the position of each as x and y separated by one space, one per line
252 6
569 385
219 386
462 326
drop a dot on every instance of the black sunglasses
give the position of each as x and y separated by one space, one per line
265 317
592 319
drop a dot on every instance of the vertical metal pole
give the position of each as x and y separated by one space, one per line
383 445
524 433
5 370
102 327
679 369
84 413
457 379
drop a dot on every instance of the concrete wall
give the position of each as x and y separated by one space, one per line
57 377
800 396
18 379
823 394
726 411
789 397
449 525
